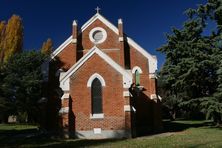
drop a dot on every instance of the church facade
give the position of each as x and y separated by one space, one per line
102 84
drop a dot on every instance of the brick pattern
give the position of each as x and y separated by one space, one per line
137 59
113 101
67 57
112 94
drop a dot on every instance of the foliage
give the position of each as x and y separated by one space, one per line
190 72
12 37
47 47
2 32
22 82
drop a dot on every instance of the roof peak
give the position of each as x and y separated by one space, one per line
97 9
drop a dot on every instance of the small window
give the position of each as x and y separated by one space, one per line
96 92
137 77
97 36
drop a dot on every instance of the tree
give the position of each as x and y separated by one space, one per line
212 105
47 47
2 33
22 83
191 67
13 38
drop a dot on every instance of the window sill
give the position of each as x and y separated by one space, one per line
139 88
96 116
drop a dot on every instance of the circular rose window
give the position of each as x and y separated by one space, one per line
97 35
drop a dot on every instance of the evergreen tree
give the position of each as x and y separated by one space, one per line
192 57
13 40
47 47
212 105
22 83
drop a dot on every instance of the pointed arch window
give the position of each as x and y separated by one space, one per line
137 71
137 78
96 96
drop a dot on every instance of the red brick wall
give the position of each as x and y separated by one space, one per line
113 100
68 54
112 41
67 57
148 117
137 59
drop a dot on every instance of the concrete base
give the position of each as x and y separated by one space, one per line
105 134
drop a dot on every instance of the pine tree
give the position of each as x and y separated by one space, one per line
212 105
47 47
192 57
13 40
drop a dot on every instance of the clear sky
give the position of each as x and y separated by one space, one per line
146 21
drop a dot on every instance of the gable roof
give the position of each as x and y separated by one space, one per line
151 59
102 19
127 77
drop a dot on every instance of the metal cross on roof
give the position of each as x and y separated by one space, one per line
97 9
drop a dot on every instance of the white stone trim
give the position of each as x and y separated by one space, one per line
127 78
102 19
160 98
153 96
126 93
110 49
137 68
74 41
120 21
97 130
64 110
104 134
97 116
129 108
97 29
105 49
121 39
65 96
74 23
152 60
152 76
61 47
96 75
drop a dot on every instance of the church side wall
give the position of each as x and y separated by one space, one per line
65 58
147 110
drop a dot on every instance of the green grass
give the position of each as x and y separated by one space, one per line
177 134
18 127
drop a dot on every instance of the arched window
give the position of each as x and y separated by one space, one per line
137 71
96 95
137 77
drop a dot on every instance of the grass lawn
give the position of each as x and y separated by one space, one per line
17 127
176 134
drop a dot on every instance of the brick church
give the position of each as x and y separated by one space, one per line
102 84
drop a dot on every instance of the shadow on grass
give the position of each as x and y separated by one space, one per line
82 143
181 125
34 137
46 141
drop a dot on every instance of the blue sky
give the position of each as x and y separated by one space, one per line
146 21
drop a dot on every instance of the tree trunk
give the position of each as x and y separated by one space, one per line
217 118
173 115
5 119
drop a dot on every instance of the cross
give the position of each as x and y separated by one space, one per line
97 9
